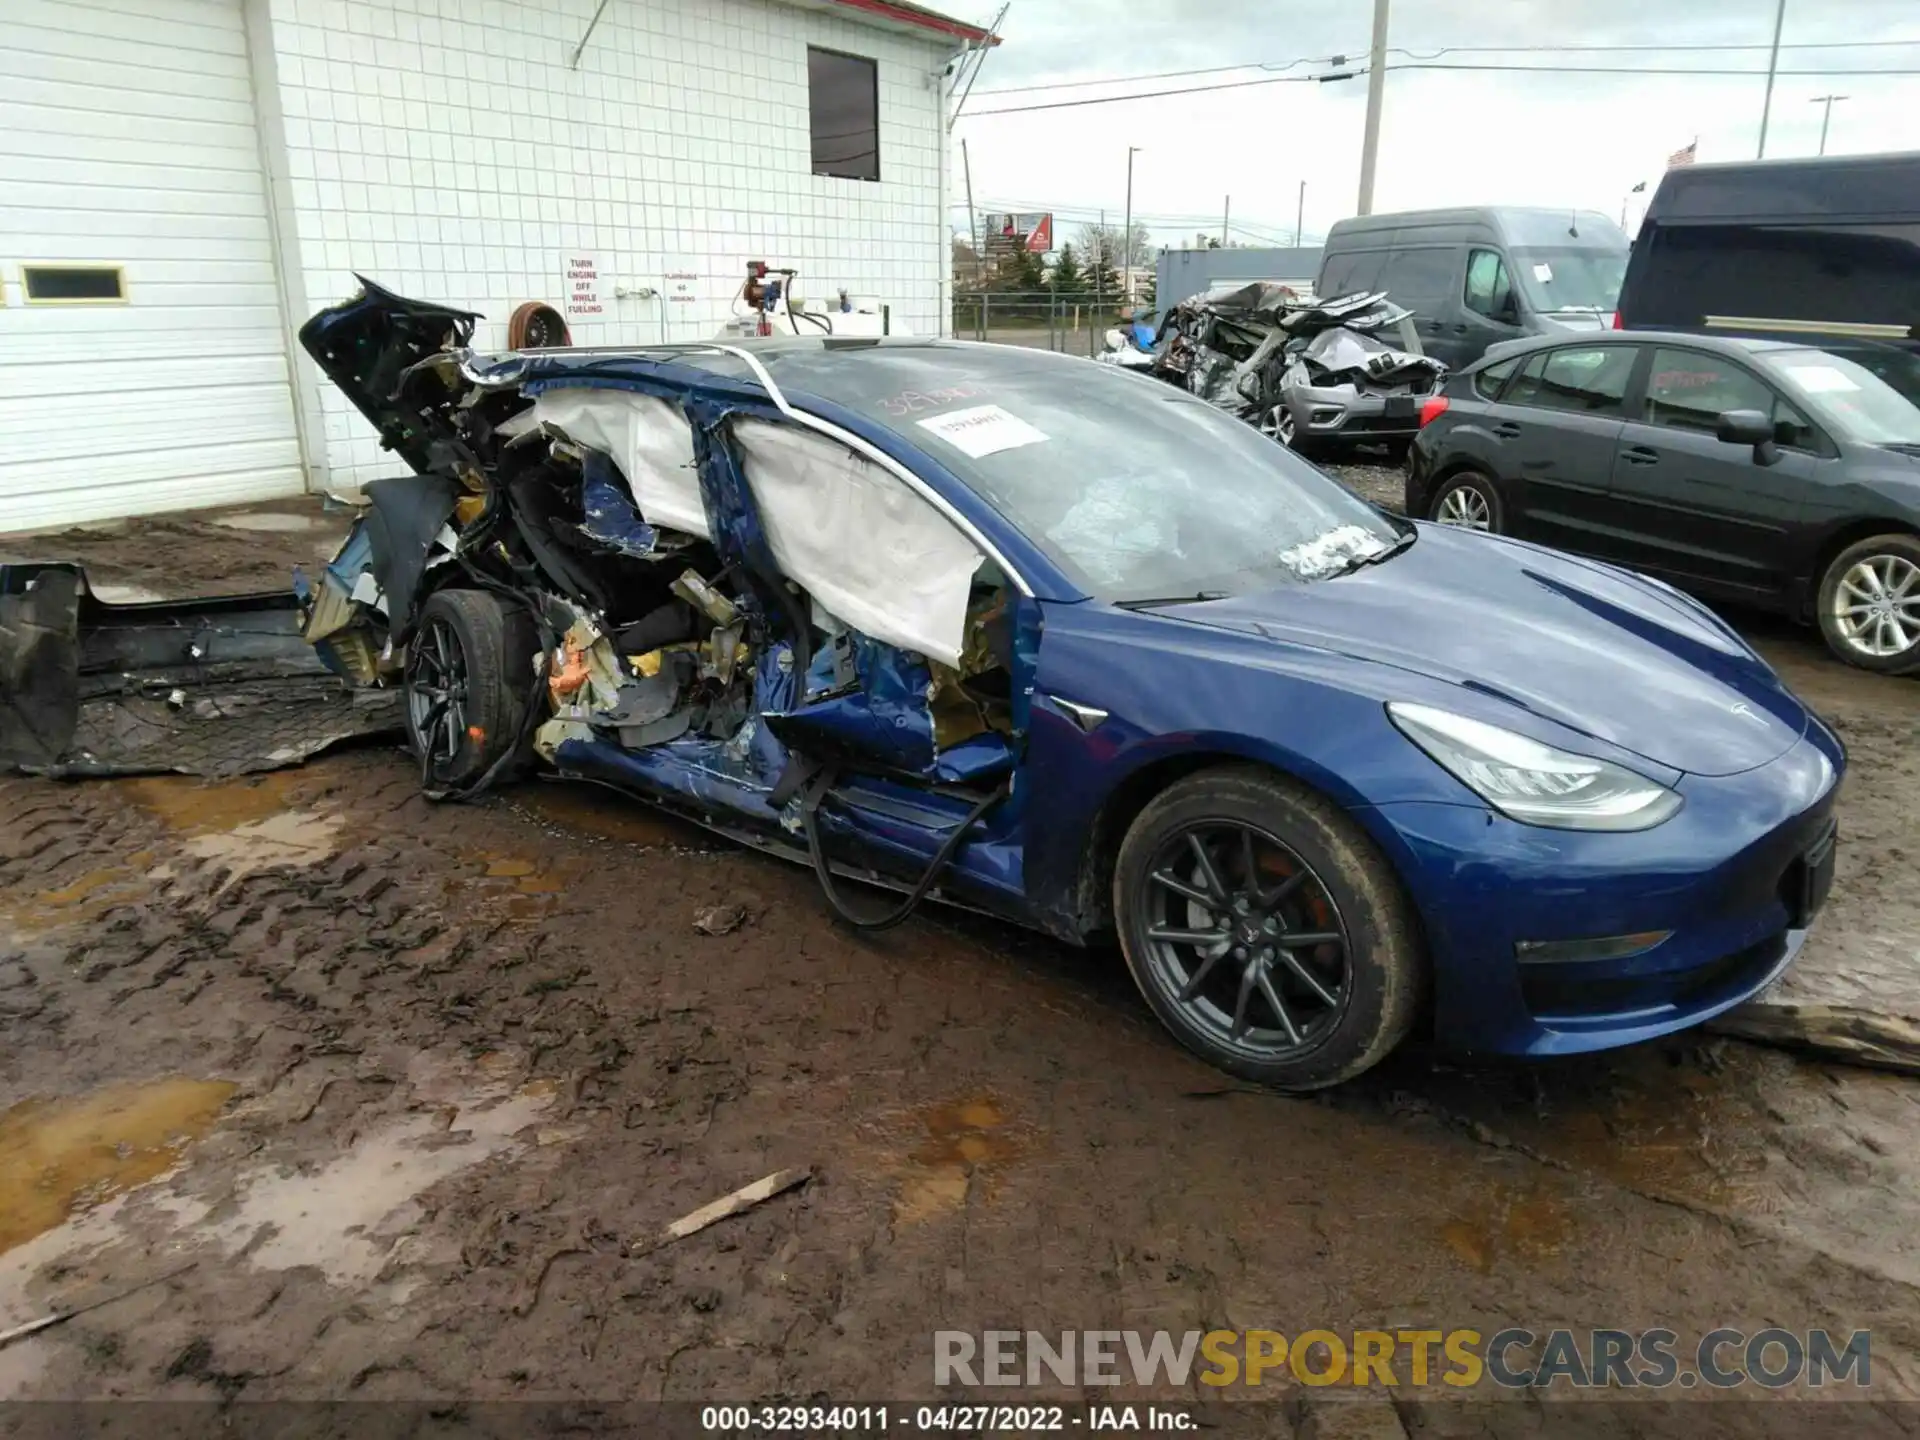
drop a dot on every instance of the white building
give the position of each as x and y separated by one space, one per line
183 182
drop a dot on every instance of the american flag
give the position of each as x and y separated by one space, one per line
1682 157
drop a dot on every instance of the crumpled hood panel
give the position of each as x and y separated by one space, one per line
1593 648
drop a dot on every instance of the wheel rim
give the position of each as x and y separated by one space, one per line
1466 507
437 694
1277 424
1876 607
1246 939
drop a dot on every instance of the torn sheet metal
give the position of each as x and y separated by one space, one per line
584 679
884 719
649 438
867 547
608 510
201 687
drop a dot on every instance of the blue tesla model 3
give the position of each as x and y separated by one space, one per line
1033 635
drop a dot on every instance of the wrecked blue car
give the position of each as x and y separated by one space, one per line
1040 637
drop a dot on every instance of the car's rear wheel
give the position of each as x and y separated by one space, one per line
1266 931
1467 499
1869 604
467 679
1277 423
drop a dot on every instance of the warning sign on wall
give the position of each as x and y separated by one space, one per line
681 286
582 288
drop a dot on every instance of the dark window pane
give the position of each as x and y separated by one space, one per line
1837 274
1590 381
1688 391
1489 292
843 97
73 282
1419 277
1352 272
1487 382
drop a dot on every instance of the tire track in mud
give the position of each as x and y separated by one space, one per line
992 1138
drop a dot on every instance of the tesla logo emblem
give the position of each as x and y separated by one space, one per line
1743 710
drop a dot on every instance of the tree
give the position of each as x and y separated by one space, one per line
1068 278
967 268
1102 279
1107 239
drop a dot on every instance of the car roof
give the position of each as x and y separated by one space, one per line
1516 225
1855 187
1718 344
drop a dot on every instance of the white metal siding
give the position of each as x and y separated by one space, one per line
127 137
451 152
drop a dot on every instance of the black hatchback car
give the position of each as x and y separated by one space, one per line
1749 471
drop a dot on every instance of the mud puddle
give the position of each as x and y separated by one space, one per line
62 1156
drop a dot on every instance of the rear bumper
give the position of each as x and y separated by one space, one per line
1342 411
1726 877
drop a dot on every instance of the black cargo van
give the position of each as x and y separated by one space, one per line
1827 250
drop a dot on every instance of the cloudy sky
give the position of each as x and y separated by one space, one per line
1447 136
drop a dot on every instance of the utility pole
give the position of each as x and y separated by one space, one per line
1126 240
1826 116
1376 93
1226 221
973 222
1300 215
1773 64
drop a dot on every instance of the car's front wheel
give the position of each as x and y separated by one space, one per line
1468 500
468 672
1266 931
1869 604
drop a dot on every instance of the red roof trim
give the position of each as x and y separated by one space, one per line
923 19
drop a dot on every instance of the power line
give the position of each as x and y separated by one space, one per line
1342 55
1636 70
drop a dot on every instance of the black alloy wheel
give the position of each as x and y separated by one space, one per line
437 697
1247 937
1266 930
468 674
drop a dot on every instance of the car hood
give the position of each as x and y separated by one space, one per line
366 344
1589 647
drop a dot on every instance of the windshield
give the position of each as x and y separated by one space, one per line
1137 491
1560 278
1853 399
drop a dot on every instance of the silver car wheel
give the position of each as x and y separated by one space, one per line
1467 507
1277 424
1876 607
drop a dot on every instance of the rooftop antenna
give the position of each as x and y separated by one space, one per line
1573 224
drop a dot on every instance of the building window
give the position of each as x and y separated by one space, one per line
843 101
73 284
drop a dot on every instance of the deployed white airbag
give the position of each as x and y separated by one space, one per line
861 542
649 439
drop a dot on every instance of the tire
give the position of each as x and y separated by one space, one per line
1327 879
1869 604
1468 494
468 674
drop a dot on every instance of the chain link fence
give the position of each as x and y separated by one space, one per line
1074 323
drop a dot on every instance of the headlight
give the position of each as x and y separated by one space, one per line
1534 783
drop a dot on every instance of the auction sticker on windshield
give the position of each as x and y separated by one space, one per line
982 430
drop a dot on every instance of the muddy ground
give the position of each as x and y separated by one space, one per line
401 1082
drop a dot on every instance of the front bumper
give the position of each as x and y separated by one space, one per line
1726 876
